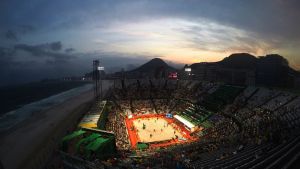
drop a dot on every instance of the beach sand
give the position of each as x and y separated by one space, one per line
158 129
19 148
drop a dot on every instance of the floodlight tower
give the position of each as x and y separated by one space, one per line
188 71
100 68
96 78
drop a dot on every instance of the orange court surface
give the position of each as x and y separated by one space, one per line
157 130
157 127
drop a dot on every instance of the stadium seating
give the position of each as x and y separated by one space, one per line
242 127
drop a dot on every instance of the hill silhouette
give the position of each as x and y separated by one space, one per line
239 61
153 65
154 68
269 70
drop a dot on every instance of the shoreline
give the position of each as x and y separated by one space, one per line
17 96
13 119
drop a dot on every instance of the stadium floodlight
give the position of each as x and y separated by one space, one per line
188 69
100 68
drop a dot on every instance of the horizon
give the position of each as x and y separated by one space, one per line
41 39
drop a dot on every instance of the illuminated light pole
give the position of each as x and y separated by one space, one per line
188 70
100 68
95 78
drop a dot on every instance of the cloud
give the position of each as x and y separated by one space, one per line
13 71
34 62
25 29
5 57
268 17
214 37
55 46
11 35
69 50
15 33
244 26
49 50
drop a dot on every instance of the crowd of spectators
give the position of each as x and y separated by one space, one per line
257 116
116 124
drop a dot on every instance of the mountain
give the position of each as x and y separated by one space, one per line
248 61
269 70
273 59
239 61
156 68
153 65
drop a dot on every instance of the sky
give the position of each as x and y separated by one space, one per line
49 39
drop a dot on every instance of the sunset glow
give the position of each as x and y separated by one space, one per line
134 31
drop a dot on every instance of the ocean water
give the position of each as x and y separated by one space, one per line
12 118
